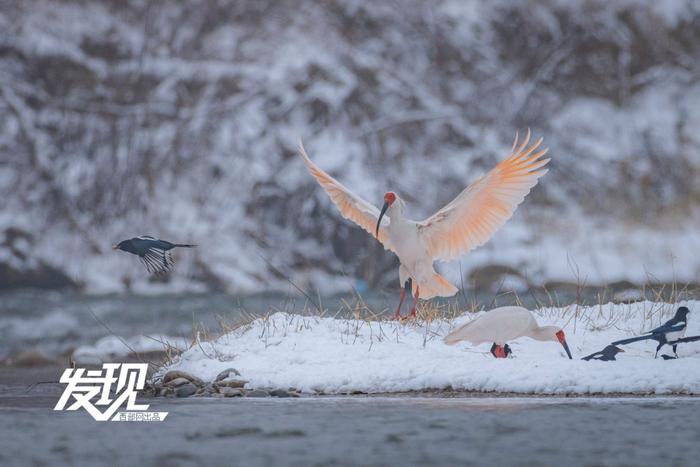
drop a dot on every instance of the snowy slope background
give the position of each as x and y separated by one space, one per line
327 355
180 119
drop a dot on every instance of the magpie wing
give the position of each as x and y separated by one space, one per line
592 356
667 327
157 261
163 245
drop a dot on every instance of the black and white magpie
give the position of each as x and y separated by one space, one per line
667 334
605 355
154 253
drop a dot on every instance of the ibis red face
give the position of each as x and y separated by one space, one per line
562 340
500 351
389 199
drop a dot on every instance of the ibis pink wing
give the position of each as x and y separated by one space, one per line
350 205
477 212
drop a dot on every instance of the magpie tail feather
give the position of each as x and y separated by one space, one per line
686 339
634 339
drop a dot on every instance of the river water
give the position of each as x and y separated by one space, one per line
360 430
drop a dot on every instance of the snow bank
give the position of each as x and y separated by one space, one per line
327 355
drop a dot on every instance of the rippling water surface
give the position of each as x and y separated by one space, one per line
361 431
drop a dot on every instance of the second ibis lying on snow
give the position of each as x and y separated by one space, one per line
505 324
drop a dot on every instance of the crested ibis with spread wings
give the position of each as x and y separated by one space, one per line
465 223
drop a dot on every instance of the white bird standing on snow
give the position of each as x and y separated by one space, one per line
504 324
464 224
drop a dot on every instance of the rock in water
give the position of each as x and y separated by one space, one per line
227 373
174 374
165 392
232 383
177 382
231 392
186 390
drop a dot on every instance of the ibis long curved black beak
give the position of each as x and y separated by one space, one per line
566 347
379 221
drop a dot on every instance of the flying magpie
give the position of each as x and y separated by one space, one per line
667 334
605 355
154 253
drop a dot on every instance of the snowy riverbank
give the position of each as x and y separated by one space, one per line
327 355
419 99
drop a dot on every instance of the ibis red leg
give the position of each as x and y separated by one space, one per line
397 315
412 313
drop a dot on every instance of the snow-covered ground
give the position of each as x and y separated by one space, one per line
327 355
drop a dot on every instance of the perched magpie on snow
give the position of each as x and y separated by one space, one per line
668 333
605 355
154 253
